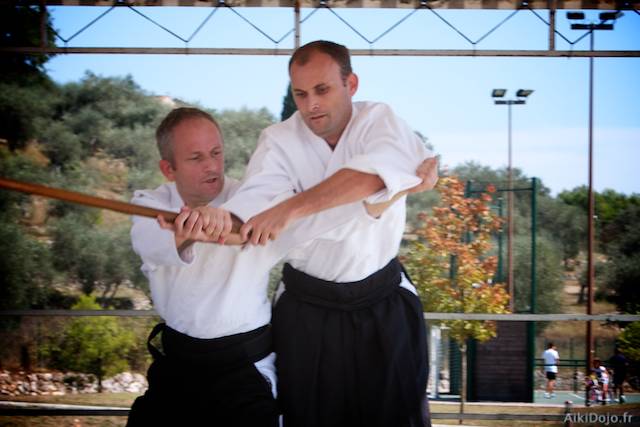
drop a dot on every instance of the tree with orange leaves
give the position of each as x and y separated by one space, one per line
451 266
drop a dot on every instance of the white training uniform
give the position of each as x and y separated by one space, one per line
551 358
289 157
210 290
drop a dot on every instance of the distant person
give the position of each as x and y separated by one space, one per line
551 360
600 381
619 364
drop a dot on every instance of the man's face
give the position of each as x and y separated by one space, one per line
198 168
322 97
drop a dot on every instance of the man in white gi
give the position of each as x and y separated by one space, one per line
348 329
216 361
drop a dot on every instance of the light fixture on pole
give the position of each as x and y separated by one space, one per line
591 27
520 99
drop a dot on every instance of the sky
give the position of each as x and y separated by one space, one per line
447 99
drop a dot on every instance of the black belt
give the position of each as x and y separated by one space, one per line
344 295
222 353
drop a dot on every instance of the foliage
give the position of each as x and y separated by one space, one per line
450 265
629 342
623 266
25 268
608 206
21 28
565 224
549 279
97 345
288 105
97 258
26 93
107 114
241 130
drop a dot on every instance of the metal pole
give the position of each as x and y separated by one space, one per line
552 26
531 326
43 24
510 281
296 14
590 243
534 226
500 244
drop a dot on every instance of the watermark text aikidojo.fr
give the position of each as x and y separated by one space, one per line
602 419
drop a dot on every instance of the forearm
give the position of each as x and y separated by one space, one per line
345 186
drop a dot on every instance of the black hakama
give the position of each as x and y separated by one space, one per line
351 354
207 382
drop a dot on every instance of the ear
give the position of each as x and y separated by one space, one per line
352 84
167 170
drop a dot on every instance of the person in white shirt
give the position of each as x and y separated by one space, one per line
551 360
216 360
348 329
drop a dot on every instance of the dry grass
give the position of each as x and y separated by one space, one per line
94 399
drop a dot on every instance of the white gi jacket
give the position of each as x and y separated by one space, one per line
289 157
210 290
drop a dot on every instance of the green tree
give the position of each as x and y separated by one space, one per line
26 93
288 105
629 342
96 344
100 259
21 28
25 265
25 268
549 277
112 115
608 205
564 224
241 130
623 266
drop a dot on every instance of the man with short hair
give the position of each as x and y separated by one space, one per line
551 360
348 329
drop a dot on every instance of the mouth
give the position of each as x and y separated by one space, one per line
316 117
210 180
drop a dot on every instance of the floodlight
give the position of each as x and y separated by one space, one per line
498 93
603 27
610 16
575 15
523 93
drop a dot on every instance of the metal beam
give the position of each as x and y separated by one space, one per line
354 52
611 317
356 4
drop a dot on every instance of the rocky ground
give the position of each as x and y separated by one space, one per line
60 383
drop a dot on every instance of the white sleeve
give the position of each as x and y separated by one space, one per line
153 244
267 181
392 151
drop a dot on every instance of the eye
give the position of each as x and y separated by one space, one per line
322 90
299 94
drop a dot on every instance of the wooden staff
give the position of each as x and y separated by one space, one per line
85 199
112 205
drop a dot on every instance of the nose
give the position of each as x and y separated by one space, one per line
211 165
312 104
